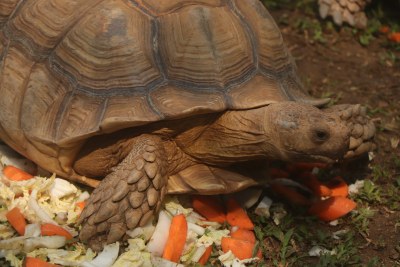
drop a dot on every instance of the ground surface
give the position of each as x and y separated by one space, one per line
333 62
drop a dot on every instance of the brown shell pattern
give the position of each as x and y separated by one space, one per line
70 69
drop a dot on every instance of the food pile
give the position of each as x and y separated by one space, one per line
38 221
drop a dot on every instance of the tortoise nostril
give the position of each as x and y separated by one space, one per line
321 135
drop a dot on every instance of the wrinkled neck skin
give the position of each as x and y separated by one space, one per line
236 136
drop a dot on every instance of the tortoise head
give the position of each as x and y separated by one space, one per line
306 133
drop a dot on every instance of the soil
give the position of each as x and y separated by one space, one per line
348 72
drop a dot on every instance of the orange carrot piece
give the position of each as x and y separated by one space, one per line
338 187
244 234
16 174
395 37
210 207
81 205
278 173
291 195
305 166
332 208
35 262
237 216
206 255
384 29
17 220
312 182
176 238
49 229
240 248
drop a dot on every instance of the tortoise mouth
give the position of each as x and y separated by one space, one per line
325 159
300 156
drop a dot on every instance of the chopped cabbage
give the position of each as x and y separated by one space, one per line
212 236
106 258
144 232
160 262
157 241
44 242
32 230
136 255
13 259
174 208
53 200
61 188
72 257
229 260
6 231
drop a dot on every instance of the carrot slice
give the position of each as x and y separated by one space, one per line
176 238
16 174
206 255
338 187
237 216
244 234
240 248
209 207
304 166
81 205
291 195
384 29
332 208
35 262
312 182
395 37
17 220
49 229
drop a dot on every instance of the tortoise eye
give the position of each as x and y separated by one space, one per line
320 136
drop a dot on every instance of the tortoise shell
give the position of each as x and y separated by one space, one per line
72 69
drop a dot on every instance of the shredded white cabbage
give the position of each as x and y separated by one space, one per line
53 200
106 258
135 255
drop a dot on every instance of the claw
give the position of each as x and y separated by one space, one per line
363 148
369 131
346 114
354 143
357 131
356 110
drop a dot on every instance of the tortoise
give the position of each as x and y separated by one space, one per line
143 98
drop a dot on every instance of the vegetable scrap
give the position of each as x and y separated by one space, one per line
237 216
35 262
394 37
332 208
176 238
391 35
210 207
242 249
329 200
17 220
40 223
16 174
48 229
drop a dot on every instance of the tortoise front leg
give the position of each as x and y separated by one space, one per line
127 197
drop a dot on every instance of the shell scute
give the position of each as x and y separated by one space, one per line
160 7
207 47
176 102
124 111
43 97
273 54
40 25
110 47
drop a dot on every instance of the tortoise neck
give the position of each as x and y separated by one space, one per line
234 137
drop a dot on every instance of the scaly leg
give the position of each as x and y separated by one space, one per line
127 197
